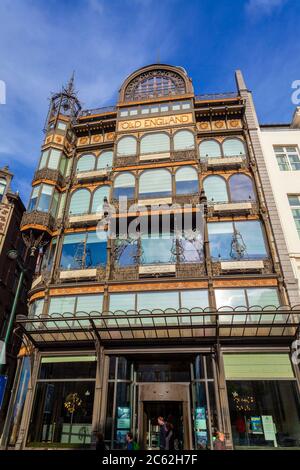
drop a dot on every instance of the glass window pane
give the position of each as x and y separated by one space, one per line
98 198
43 161
230 298
105 160
124 185
54 159
233 147
86 163
186 180
80 202
126 146
252 236
155 143
61 125
45 198
241 188
184 140
33 199
72 251
209 149
123 302
157 300
155 183
60 305
220 238
194 298
263 297
89 303
215 189
158 249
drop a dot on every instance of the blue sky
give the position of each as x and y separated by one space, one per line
43 41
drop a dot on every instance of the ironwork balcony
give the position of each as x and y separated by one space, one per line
223 163
157 270
244 266
38 220
203 324
51 175
171 156
121 161
91 112
183 155
227 208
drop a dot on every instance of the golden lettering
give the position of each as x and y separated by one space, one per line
156 122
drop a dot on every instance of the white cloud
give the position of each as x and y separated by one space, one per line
263 7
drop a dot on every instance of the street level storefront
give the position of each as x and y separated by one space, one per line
253 397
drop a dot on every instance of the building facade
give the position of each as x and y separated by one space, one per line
165 288
11 212
280 144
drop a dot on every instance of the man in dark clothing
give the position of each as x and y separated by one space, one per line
162 432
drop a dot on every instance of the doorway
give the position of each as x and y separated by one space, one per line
172 412
169 400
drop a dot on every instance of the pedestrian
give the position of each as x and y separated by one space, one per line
130 442
219 443
100 444
169 437
162 432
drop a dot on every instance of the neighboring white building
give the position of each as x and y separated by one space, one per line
281 147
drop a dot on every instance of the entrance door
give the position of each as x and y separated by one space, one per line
169 400
170 410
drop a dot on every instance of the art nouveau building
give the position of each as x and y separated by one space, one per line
192 320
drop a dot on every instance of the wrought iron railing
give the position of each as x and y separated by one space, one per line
216 96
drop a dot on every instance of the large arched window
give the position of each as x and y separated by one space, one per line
80 202
233 148
2 187
184 140
186 180
155 183
127 146
124 185
98 198
105 160
155 143
241 188
215 189
210 149
86 163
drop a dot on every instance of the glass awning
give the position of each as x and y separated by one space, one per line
160 325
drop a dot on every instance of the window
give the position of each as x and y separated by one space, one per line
236 240
241 188
84 250
215 189
49 255
126 253
184 140
155 184
262 297
80 202
287 158
186 180
155 143
185 299
36 308
61 125
210 149
2 187
127 146
294 201
98 198
41 199
73 304
64 394
158 248
105 160
86 163
124 186
233 148
51 158
190 249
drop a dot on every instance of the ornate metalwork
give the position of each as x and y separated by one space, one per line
44 219
155 83
190 270
126 161
49 174
34 240
182 155
238 248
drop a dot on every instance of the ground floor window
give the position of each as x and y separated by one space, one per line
263 400
63 404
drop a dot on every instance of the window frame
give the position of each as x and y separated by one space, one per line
286 156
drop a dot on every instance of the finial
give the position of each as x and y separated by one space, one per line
70 86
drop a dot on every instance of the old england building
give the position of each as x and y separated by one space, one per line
124 329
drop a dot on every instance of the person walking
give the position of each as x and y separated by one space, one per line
162 432
130 442
169 437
